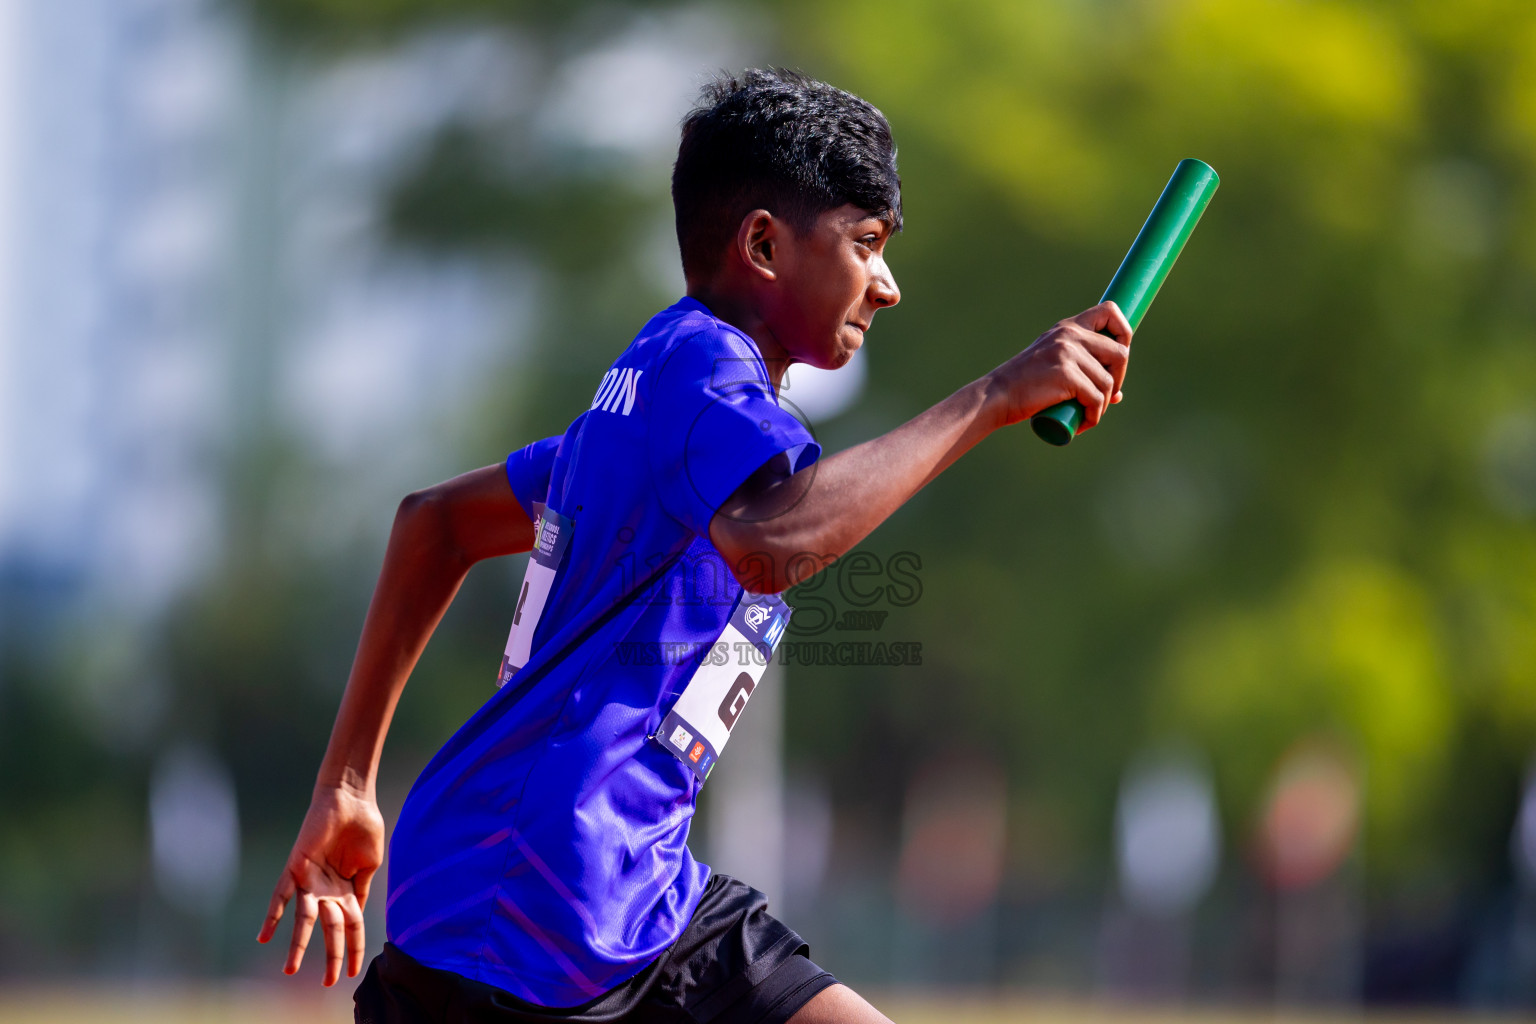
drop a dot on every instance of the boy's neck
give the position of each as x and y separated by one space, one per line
741 313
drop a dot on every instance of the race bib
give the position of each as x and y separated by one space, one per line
695 731
551 537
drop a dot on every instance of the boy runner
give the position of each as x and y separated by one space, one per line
540 867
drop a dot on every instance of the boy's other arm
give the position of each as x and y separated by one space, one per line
778 529
438 534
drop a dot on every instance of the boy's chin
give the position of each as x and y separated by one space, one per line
834 360
831 353
842 349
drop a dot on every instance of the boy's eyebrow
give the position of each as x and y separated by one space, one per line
886 221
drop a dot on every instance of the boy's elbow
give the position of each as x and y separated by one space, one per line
425 517
418 507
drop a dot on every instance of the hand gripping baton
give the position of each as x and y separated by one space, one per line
1141 273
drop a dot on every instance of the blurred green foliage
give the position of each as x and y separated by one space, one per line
1289 526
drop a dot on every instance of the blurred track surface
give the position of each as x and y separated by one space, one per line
261 1004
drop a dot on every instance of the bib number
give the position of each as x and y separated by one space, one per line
697 728
551 537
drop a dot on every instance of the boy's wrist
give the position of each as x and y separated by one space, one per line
346 779
995 400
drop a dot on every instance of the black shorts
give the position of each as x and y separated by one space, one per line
734 964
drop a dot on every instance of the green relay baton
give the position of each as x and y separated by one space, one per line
1141 273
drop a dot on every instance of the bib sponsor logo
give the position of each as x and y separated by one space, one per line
757 615
681 738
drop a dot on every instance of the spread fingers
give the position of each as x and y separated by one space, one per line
332 922
306 909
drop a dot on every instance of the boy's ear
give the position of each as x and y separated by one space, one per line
757 242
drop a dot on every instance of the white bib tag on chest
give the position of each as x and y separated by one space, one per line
695 731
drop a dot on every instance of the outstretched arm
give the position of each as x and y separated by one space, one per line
438 534
779 528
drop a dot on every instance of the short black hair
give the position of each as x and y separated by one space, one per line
781 141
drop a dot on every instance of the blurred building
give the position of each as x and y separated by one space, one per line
192 262
118 189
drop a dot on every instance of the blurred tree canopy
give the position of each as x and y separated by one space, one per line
1303 518
1309 516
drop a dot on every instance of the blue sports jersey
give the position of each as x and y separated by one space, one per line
544 849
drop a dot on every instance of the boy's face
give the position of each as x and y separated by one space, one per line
830 280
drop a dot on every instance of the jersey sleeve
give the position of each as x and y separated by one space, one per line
528 472
712 422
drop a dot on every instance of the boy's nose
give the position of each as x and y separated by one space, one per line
882 287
